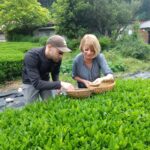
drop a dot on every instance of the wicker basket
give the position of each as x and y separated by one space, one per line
79 93
103 87
94 84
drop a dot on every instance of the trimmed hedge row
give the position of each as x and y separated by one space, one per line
10 70
11 56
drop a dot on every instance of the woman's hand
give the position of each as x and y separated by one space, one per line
87 83
98 81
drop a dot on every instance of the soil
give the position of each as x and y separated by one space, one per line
10 85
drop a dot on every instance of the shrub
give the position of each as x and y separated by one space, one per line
105 42
115 61
19 38
10 69
73 44
35 39
67 67
117 67
132 47
43 40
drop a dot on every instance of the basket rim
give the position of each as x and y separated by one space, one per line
102 86
79 90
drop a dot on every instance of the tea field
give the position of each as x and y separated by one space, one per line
118 119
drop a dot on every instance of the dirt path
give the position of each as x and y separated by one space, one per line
10 85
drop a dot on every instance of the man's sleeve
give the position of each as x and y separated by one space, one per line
31 64
104 66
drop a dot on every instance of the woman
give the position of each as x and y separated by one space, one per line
89 63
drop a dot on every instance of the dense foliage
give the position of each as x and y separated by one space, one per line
144 11
11 56
77 17
22 16
131 46
118 119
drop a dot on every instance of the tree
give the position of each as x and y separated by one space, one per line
22 15
77 17
69 17
144 11
112 15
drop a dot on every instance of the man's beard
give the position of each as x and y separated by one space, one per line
57 59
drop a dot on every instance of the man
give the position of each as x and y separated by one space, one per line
39 63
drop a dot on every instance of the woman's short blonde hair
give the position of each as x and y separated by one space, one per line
92 41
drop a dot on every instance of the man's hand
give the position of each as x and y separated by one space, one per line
67 86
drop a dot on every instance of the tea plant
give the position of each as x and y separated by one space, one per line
118 119
11 56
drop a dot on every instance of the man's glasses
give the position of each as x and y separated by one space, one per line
60 52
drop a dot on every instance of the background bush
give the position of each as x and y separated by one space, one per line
105 42
42 40
133 47
73 44
19 37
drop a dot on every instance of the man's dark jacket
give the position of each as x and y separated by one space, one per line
37 68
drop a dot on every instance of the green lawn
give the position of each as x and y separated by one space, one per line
119 119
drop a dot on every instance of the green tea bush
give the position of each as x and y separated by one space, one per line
10 69
27 38
118 119
19 38
11 57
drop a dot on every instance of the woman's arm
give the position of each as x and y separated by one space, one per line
85 82
108 75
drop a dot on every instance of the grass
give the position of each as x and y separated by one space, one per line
118 119
135 65
130 64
